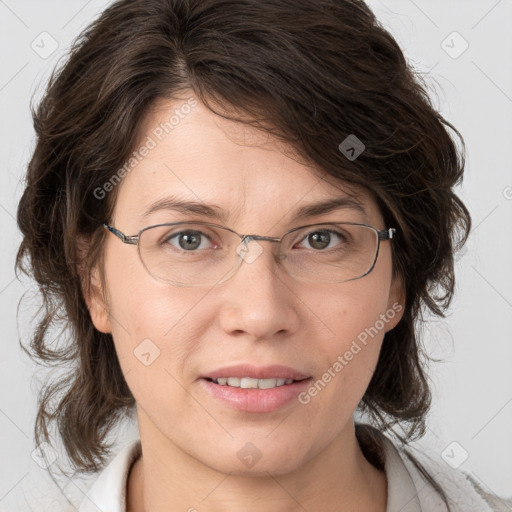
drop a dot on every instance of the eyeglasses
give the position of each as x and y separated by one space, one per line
201 253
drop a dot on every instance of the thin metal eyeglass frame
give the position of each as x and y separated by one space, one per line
382 235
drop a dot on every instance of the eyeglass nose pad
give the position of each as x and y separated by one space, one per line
249 252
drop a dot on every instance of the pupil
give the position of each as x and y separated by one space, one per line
319 240
189 241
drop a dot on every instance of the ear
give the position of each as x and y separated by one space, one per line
97 303
93 290
396 302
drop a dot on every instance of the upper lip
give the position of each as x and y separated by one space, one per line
274 371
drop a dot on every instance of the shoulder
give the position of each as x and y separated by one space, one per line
426 477
46 488
496 503
461 489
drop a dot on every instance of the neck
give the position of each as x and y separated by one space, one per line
165 478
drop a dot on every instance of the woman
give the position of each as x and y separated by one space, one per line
240 209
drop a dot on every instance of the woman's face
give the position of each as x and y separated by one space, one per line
168 338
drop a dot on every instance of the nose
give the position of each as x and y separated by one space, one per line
258 300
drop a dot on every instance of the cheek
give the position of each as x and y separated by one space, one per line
153 325
348 362
352 312
354 319
155 348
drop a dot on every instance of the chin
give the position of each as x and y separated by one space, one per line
249 460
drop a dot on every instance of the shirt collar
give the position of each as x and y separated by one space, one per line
402 493
108 492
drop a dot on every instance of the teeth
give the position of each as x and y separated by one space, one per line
249 383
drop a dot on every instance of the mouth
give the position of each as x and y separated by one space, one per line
253 389
228 375
252 383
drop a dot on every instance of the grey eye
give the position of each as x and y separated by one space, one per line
188 240
321 240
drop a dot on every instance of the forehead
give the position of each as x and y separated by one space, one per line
186 153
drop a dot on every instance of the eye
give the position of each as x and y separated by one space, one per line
189 240
321 239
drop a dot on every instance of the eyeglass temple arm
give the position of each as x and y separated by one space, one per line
124 238
387 234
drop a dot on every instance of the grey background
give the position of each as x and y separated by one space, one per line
471 419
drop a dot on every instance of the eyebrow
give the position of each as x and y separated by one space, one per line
214 211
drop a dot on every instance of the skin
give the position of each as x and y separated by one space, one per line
310 455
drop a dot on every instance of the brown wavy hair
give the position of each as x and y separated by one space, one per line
309 72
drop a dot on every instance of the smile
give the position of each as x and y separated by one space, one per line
250 383
249 394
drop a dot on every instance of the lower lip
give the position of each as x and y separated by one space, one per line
256 400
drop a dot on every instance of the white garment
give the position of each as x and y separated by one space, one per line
408 491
